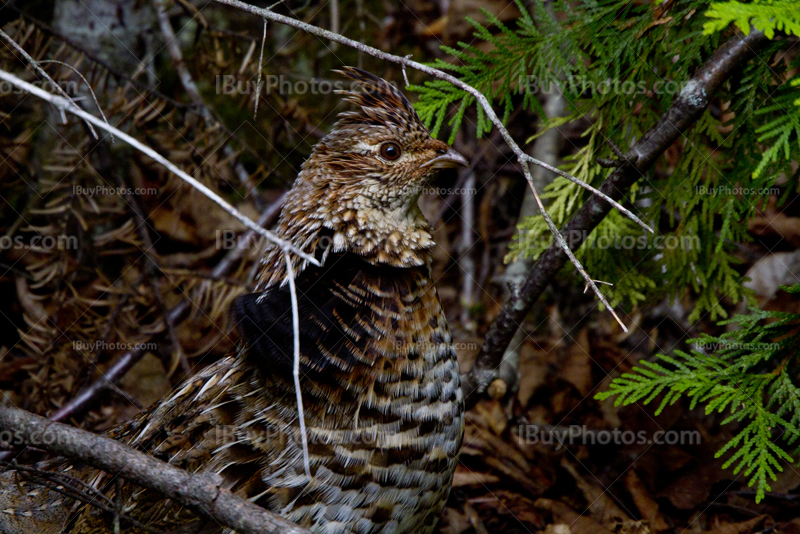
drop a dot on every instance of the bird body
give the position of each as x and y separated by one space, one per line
379 377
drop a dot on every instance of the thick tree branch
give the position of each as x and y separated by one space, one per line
685 111
201 493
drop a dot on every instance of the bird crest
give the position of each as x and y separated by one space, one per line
379 103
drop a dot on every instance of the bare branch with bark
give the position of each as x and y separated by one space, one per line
202 492
682 115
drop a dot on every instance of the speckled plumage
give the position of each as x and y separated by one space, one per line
380 379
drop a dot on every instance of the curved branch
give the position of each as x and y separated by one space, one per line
202 493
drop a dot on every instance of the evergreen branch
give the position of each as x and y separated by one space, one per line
736 379
684 112
767 17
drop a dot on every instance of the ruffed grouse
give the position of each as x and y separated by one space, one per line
380 380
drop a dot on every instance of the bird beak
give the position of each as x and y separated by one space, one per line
451 158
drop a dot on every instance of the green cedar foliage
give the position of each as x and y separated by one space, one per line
621 64
749 373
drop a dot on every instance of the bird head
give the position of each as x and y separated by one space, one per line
360 186
381 149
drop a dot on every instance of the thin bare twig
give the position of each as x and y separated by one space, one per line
41 71
334 22
296 364
619 207
66 105
405 74
260 66
88 86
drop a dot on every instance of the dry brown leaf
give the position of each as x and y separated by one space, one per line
147 380
453 522
647 506
532 372
601 505
577 369
745 527
503 457
465 477
519 507
564 514
777 225
633 527
790 527
433 29
489 414
694 484
474 519
168 223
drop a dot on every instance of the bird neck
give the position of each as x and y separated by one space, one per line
391 235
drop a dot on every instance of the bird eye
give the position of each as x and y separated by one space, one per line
390 151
